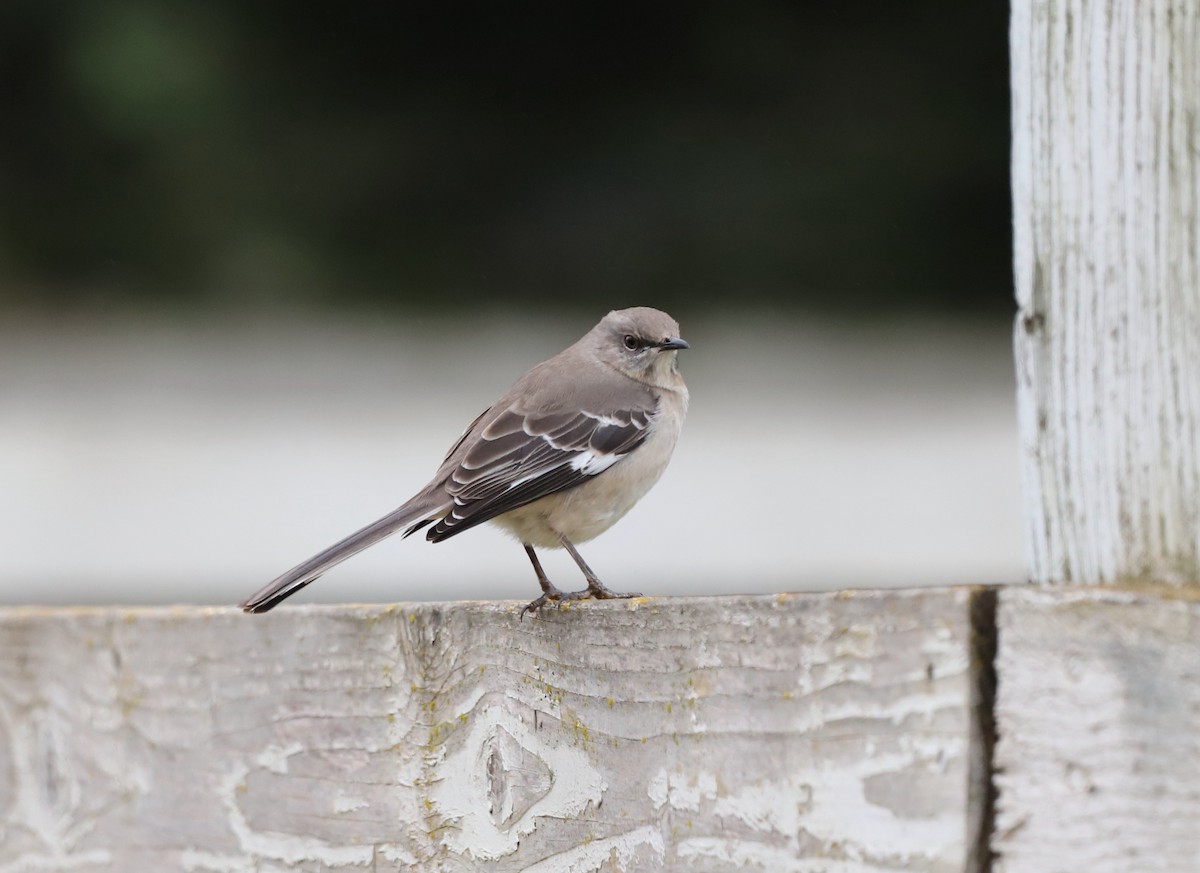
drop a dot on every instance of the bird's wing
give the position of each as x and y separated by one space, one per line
520 457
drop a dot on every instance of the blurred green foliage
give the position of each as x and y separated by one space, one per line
834 155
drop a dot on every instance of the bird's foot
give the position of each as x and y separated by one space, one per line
597 590
594 591
550 594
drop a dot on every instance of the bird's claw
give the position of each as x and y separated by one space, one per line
592 592
599 592
534 605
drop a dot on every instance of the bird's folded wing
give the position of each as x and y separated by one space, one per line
519 458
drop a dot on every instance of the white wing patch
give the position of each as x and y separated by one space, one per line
592 463
515 482
589 463
609 420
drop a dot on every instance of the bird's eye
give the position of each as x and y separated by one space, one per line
631 342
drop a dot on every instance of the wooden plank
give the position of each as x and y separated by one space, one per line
1106 189
1098 717
823 732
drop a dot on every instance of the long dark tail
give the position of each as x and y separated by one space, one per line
417 509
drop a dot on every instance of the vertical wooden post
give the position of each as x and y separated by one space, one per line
1096 705
1106 187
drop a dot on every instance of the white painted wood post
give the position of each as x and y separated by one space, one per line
1097 707
1106 187
1098 714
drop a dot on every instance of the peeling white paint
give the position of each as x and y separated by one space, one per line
48 791
392 852
684 791
461 793
827 802
275 758
288 848
772 807
622 849
74 861
196 861
750 855
840 810
704 657
657 790
926 703
343 802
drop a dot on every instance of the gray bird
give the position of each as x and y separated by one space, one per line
557 460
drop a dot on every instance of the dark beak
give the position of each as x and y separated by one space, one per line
673 342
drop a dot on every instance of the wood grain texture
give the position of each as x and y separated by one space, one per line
782 733
1106 188
1098 717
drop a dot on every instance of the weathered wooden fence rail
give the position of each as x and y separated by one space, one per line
835 732
849 732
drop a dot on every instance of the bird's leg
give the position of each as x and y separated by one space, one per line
595 587
549 592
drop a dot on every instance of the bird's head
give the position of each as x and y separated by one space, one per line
640 342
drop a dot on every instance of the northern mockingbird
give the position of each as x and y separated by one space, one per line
557 460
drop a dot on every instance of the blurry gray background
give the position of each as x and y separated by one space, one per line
260 264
